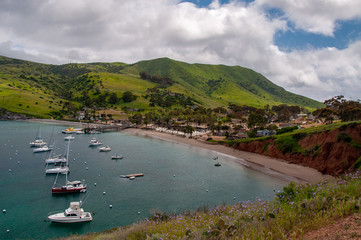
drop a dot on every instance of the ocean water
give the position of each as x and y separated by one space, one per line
176 178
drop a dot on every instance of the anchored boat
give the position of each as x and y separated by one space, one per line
73 214
70 186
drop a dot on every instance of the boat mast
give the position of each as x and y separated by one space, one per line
66 163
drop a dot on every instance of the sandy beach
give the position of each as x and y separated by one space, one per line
270 166
275 167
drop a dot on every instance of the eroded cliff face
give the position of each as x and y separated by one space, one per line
325 151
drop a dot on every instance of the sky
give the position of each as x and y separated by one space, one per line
308 47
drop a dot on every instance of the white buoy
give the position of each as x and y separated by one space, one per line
18 162
138 213
87 168
173 175
110 206
103 193
84 162
4 210
9 170
7 231
234 198
207 190
95 184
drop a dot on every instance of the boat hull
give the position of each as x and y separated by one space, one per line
57 170
60 218
61 190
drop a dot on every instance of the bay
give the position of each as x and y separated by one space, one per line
176 178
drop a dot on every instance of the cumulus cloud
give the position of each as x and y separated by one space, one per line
316 16
236 33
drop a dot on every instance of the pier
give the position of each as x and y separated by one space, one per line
93 128
132 175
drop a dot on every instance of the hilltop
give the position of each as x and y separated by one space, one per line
41 90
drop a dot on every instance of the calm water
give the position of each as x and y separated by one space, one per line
177 178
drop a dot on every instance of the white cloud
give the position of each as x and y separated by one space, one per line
62 31
316 16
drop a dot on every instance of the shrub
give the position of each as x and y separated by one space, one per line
357 164
344 137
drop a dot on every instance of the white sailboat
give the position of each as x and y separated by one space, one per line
56 158
38 142
70 137
43 149
62 168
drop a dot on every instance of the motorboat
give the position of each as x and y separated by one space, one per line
73 214
94 142
72 130
217 164
105 149
117 156
56 159
58 169
43 149
70 137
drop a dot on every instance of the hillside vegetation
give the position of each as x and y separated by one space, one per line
42 89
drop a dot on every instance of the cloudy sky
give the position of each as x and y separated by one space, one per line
309 47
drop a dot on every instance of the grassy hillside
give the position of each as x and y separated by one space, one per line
40 89
222 83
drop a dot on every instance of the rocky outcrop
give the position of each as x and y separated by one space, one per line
330 152
7 115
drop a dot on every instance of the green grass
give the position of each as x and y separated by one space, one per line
208 85
293 212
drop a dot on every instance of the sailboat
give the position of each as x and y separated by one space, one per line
70 186
56 158
63 168
38 142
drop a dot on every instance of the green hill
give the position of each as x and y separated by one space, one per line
41 89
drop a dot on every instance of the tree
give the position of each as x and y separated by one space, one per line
325 114
113 98
256 119
128 96
346 110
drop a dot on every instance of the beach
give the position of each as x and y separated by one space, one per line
275 167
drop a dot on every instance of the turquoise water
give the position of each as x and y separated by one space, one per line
177 178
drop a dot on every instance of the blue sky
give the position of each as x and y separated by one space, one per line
309 47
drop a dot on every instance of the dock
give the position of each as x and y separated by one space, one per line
132 175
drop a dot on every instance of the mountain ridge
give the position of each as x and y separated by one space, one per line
207 85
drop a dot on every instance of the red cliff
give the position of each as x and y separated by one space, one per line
330 152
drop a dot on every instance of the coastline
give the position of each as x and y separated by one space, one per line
278 168
274 167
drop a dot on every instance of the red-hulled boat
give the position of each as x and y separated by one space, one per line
70 186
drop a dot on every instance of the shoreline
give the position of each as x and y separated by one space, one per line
277 168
